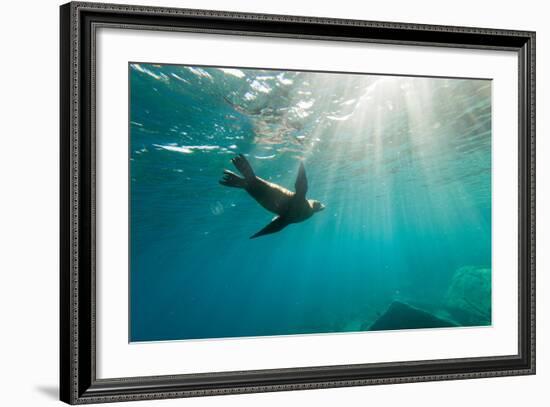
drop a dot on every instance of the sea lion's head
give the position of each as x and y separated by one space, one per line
316 205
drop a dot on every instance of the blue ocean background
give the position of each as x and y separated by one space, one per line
403 165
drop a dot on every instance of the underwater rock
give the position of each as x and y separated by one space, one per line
469 297
403 316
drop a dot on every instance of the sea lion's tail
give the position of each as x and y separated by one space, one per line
241 163
230 179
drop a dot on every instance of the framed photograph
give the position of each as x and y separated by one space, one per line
255 203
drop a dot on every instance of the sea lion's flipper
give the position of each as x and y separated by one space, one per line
241 163
230 179
277 224
301 182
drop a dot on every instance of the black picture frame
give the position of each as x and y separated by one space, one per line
78 382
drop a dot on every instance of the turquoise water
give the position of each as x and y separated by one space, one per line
403 165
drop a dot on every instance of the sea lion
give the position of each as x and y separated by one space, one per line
290 207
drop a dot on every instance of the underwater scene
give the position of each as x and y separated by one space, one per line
275 202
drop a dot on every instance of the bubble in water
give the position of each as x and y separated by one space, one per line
216 208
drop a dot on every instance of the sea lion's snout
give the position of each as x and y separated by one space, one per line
318 206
